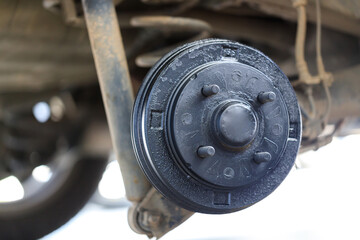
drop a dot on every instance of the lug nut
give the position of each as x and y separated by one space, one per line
261 157
206 151
265 97
209 90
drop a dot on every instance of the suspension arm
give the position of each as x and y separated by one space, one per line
151 214
116 89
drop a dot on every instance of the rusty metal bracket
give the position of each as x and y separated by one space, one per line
116 89
70 14
155 215
151 214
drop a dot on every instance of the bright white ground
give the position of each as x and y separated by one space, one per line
320 201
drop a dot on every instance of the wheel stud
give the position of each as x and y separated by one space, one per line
265 97
205 151
261 157
209 90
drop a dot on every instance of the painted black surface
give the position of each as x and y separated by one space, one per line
222 95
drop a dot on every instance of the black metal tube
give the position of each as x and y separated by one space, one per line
116 89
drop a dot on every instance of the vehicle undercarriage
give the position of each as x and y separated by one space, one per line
228 92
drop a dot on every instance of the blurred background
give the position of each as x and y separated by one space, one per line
318 200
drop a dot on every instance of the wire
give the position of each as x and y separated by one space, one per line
304 74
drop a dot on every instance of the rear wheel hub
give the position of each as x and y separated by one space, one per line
216 126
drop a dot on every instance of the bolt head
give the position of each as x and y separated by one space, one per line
237 125
209 90
265 97
261 157
206 151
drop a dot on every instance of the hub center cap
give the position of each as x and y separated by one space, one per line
220 126
236 125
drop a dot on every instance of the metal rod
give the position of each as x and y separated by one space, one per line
116 89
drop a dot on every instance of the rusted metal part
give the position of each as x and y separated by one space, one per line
70 13
332 17
156 215
149 59
114 79
71 10
162 1
341 15
276 34
345 104
349 8
336 14
170 23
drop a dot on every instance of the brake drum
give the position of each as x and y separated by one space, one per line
216 126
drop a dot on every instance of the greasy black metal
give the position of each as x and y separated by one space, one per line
251 120
226 122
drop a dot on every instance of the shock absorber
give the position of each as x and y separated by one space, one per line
216 126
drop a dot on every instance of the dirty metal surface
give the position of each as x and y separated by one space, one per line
114 79
156 124
156 215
